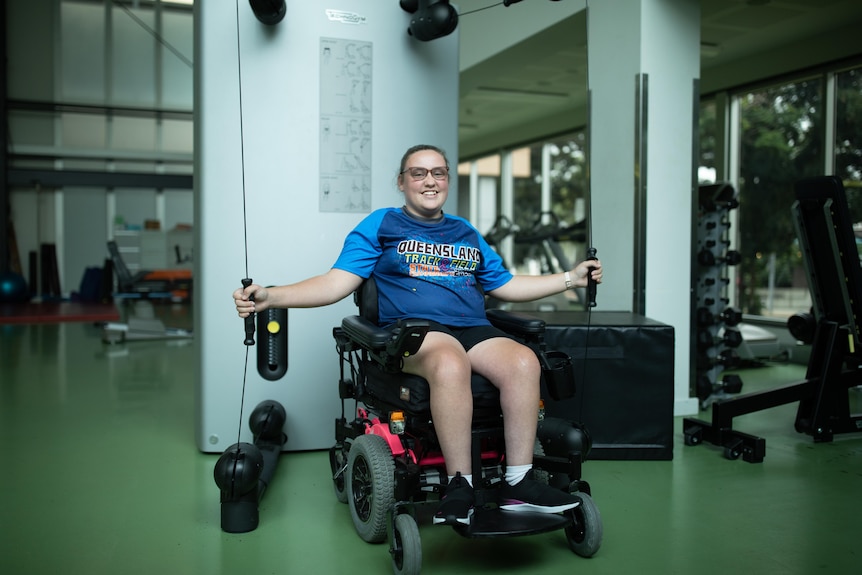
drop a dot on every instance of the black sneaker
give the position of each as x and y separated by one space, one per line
532 495
457 504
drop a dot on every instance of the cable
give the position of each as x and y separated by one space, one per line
249 320
591 251
462 14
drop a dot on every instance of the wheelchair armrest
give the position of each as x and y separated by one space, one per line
398 341
365 333
516 323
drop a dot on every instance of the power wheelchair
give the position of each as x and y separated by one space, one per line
386 461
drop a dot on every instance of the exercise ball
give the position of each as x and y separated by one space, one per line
13 288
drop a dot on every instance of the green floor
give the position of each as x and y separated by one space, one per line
101 476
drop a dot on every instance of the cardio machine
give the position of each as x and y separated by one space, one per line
386 461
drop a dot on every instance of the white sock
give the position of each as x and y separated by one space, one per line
468 478
515 473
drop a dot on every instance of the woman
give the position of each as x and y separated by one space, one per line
432 266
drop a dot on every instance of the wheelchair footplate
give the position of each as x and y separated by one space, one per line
501 523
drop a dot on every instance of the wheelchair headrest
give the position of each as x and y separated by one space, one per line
365 299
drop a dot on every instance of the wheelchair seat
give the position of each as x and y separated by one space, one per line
384 380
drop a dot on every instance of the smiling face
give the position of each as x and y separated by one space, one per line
425 197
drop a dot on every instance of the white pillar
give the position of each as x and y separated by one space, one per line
644 59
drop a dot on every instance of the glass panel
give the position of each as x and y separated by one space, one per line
177 75
85 229
178 136
82 131
781 143
82 52
486 195
552 237
135 206
133 52
179 209
133 133
568 172
707 135
30 128
848 142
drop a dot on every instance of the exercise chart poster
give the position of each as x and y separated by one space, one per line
345 125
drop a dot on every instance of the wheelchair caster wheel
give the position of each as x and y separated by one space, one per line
338 464
406 546
585 533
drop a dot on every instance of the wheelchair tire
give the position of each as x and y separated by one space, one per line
585 534
406 546
370 481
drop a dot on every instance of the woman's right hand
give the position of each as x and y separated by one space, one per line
242 299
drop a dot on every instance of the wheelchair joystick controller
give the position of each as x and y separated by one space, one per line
591 283
249 321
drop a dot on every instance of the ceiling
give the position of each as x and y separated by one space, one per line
531 86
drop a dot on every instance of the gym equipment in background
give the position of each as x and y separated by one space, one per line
718 335
825 233
173 284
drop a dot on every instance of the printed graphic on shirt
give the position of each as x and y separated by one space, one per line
429 259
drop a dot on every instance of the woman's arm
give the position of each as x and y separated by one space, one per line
529 288
317 291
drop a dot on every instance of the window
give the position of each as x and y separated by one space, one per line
848 138
707 138
550 205
781 141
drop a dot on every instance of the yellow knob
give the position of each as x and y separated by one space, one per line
273 327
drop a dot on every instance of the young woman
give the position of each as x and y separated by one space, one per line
437 267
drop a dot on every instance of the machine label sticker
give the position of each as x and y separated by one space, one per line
345 17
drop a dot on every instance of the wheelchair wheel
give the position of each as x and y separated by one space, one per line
406 546
337 460
585 534
370 479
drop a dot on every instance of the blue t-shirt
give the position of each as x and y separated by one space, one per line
424 270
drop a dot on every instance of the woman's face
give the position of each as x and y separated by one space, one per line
425 197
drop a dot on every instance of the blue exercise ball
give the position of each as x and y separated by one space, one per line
13 288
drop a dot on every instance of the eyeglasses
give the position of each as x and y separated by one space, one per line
419 174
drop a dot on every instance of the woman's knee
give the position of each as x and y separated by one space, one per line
440 360
521 362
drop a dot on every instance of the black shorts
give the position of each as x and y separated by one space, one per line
469 336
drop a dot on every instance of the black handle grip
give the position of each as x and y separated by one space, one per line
591 283
249 321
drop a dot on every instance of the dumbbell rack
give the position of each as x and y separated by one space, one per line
716 334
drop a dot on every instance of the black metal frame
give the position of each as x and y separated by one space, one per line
835 278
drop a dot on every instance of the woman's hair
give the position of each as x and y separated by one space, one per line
420 148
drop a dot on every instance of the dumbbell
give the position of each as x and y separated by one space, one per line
711 281
706 258
726 357
729 384
729 316
706 340
713 225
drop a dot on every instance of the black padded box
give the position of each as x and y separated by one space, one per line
625 389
